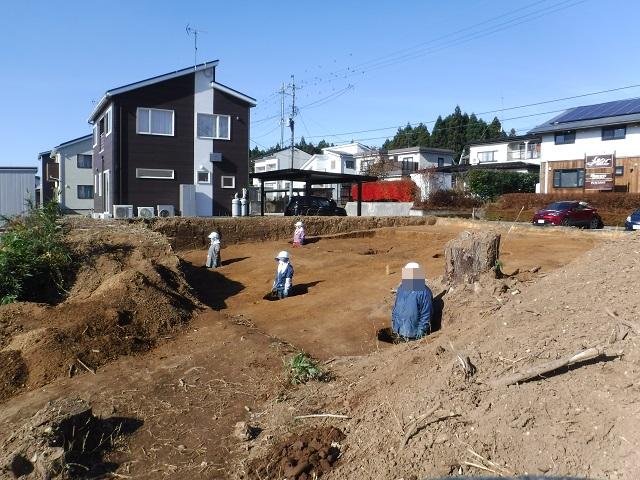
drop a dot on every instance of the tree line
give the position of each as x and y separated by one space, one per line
453 132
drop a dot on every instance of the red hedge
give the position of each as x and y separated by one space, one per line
392 191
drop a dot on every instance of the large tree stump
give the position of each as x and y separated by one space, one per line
470 255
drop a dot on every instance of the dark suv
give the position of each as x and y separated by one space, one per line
310 205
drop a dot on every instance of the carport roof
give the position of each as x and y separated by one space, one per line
312 176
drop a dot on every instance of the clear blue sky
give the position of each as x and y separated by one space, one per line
407 60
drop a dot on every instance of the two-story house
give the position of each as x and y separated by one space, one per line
280 160
592 148
67 175
180 140
516 154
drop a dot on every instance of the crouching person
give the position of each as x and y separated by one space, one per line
213 255
284 276
411 315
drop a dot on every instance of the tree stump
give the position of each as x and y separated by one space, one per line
470 255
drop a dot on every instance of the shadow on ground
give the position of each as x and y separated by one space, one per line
210 286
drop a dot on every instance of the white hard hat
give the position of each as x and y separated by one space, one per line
214 235
283 255
298 223
412 265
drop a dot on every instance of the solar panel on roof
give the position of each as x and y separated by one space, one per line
609 109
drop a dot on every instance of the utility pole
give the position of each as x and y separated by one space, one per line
292 126
282 93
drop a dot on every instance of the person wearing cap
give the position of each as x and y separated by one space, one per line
213 255
284 276
411 315
298 234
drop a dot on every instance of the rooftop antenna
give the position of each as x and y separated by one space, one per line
194 31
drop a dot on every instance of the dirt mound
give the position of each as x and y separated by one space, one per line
128 293
439 406
63 440
302 456
12 374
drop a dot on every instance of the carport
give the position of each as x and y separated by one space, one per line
310 178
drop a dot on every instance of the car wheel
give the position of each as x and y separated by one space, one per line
594 223
565 222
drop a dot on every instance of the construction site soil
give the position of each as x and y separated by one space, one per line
148 334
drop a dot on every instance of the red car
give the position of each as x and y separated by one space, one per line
568 214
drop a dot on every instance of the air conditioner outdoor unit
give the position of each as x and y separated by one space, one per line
123 211
166 211
146 212
95 215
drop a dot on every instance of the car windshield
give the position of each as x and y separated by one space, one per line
323 202
560 206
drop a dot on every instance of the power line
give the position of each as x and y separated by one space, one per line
544 102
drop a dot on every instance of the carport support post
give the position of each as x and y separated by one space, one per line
262 197
359 199
307 188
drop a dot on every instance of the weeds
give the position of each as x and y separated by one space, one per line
33 256
302 368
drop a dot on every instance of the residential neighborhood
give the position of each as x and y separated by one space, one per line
320 240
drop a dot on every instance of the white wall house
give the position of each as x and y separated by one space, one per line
280 160
513 153
419 158
17 187
76 183
592 148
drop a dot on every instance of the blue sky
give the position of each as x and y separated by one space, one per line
366 65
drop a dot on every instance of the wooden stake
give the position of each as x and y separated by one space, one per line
84 365
321 415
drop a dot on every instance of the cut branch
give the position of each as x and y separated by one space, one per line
321 415
547 367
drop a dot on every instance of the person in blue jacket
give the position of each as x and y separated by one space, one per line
284 276
411 315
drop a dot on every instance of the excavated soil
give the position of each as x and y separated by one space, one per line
127 295
413 411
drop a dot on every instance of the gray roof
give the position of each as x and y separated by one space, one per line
590 116
516 138
76 140
421 150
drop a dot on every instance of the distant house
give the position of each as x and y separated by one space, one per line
412 159
340 159
592 148
17 188
516 154
67 175
279 160
179 140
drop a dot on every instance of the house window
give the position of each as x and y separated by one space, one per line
155 173
228 181
84 161
351 164
152 121
204 176
486 157
95 135
568 178
85 191
440 162
105 123
260 168
97 184
619 170
614 133
217 127
566 137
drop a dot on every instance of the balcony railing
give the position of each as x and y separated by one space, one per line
520 154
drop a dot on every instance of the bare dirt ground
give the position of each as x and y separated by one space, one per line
226 363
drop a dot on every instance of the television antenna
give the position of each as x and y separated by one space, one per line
195 32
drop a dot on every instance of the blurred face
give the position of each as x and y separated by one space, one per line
413 279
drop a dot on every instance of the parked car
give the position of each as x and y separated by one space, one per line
633 221
568 214
312 205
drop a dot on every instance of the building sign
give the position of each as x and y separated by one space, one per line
599 161
598 181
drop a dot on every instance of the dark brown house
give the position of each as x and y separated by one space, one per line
177 140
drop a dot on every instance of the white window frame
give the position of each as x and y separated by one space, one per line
173 173
149 109
216 118
95 135
222 179
206 182
493 156
109 122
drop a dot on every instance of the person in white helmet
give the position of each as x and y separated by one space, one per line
284 276
412 310
213 255
298 234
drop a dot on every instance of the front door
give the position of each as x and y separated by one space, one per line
108 205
